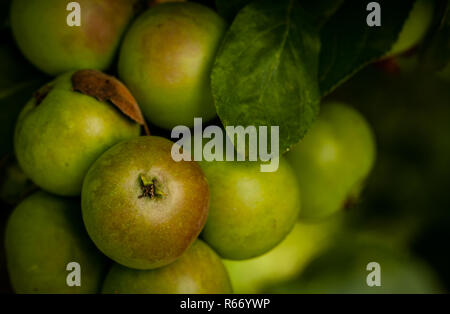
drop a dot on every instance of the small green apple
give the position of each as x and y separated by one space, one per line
140 207
43 235
250 211
41 31
415 27
333 160
61 132
166 60
198 271
285 261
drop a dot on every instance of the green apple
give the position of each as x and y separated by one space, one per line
285 261
415 27
43 235
250 211
333 160
347 267
198 271
166 60
61 132
140 207
42 33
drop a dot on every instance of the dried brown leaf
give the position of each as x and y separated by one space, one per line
107 88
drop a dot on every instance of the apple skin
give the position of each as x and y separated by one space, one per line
198 271
333 161
58 139
43 234
166 60
250 211
142 232
42 34
415 27
285 261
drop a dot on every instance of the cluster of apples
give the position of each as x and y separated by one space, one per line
79 136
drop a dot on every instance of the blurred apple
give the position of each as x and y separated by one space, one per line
286 260
415 27
344 268
333 160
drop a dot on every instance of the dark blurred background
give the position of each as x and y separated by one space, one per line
407 197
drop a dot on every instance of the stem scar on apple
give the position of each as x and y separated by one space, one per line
107 88
149 188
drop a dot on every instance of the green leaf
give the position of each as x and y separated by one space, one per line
349 44
266 70
318 10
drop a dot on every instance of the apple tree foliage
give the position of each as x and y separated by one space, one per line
279 58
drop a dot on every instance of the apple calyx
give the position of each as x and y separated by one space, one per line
150 188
